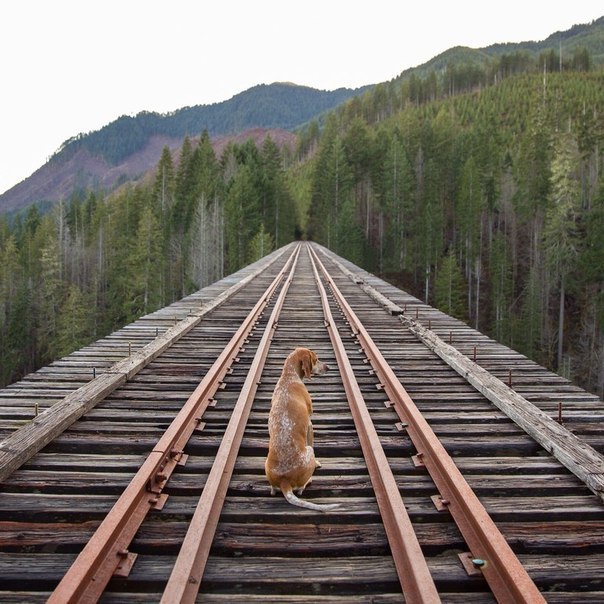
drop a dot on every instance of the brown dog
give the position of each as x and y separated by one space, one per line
291 459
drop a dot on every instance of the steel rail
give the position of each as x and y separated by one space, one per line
107 550
185 579
413 573
507 578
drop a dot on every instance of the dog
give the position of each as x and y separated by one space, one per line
291 459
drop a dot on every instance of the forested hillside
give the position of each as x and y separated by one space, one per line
88 266
128 147
279 105
479 189
486 201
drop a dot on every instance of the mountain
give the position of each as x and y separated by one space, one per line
588 36
128 147
131 145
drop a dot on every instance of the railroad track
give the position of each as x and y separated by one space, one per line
155 491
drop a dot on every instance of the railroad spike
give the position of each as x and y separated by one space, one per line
467 561
442 505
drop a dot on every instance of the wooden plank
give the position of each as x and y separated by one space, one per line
302 539
573 452
28 440
95 482
42 506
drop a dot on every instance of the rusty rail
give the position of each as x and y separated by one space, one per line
184 582
490 552
414 576
106 553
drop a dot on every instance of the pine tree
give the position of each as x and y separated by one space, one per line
271 179
591 268
49 290
561 235
500 277
145 293
11 284
468 217
449 288
164 187
242 218
397 194
73 323
261 245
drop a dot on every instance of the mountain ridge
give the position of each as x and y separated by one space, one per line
114 154
589 35
109 156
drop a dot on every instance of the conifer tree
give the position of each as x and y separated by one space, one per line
449 290
501 288
560 235
271 204
397 203
11 284
261 245
591 268
145 293
73 323
48 293
324 189
165 183
207 242
242 218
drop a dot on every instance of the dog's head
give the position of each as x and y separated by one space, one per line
307 363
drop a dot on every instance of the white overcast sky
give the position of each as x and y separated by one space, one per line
71 66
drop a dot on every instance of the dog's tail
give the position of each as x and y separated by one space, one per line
302 503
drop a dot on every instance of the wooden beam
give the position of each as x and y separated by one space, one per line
576 455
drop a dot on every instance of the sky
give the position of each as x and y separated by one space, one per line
73 66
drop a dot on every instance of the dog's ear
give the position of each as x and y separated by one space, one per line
307 363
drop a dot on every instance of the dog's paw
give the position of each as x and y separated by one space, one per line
317 463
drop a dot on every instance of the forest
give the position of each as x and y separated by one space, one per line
479 189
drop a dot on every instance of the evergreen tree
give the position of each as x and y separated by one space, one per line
449 289
19 345
11 285
398 184
468 216
591 268
325 185
561 236
242 216
501 288
49 291
146 291
261 245
271 204
164 187
527 334
73 323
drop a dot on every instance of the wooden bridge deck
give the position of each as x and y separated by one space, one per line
53 500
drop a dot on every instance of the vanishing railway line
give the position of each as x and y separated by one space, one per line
151 485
